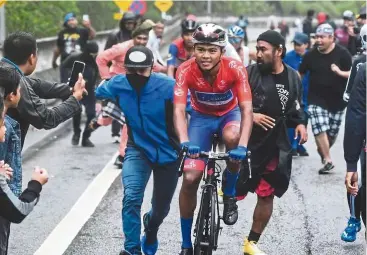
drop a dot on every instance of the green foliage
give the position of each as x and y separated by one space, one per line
45 18
152 12
100 13
40 18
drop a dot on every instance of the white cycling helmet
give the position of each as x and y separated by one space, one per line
210 34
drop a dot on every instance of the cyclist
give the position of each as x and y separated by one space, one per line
243 23
182 48
354 224
235 38
221 102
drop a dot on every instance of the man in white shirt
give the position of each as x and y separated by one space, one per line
155 41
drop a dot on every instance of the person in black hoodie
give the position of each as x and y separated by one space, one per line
91 75
307 23
127 25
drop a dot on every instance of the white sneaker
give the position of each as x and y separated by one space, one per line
115 139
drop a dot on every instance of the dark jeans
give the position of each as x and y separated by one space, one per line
360 200
136 172
89 103
64 74
115 128
4 235
363 188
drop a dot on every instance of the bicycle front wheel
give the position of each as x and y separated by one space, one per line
205 228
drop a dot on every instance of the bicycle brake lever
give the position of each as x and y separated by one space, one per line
182 157
249 163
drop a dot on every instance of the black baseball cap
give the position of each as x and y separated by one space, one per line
139 57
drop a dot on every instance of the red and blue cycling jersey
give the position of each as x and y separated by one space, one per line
177 53
230 87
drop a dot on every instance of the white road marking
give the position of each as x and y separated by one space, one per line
65 232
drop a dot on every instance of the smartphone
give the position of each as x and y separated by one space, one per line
86 17
78 67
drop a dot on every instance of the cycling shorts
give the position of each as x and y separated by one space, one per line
202 127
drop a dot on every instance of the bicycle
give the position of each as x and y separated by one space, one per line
207 227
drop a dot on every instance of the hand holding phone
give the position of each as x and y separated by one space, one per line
79 89
78 67
86 21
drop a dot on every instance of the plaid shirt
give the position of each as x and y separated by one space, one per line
111 109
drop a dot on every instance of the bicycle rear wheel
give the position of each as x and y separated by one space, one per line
206 227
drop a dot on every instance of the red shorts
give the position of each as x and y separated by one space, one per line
264 189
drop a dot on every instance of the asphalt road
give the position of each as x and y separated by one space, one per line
307 220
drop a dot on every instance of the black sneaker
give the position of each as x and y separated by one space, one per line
327 168
230 213
303 153
87 143
187 251
118 161
75 139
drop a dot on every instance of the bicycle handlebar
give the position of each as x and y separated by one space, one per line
214 155
209 155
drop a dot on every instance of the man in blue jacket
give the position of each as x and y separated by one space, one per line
147 101
294 59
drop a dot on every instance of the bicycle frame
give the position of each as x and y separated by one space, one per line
207 227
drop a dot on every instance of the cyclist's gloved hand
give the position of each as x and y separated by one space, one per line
238 154
192 149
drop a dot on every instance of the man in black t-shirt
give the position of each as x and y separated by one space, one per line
329 66
71 40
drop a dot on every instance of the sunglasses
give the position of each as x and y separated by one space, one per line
212 37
